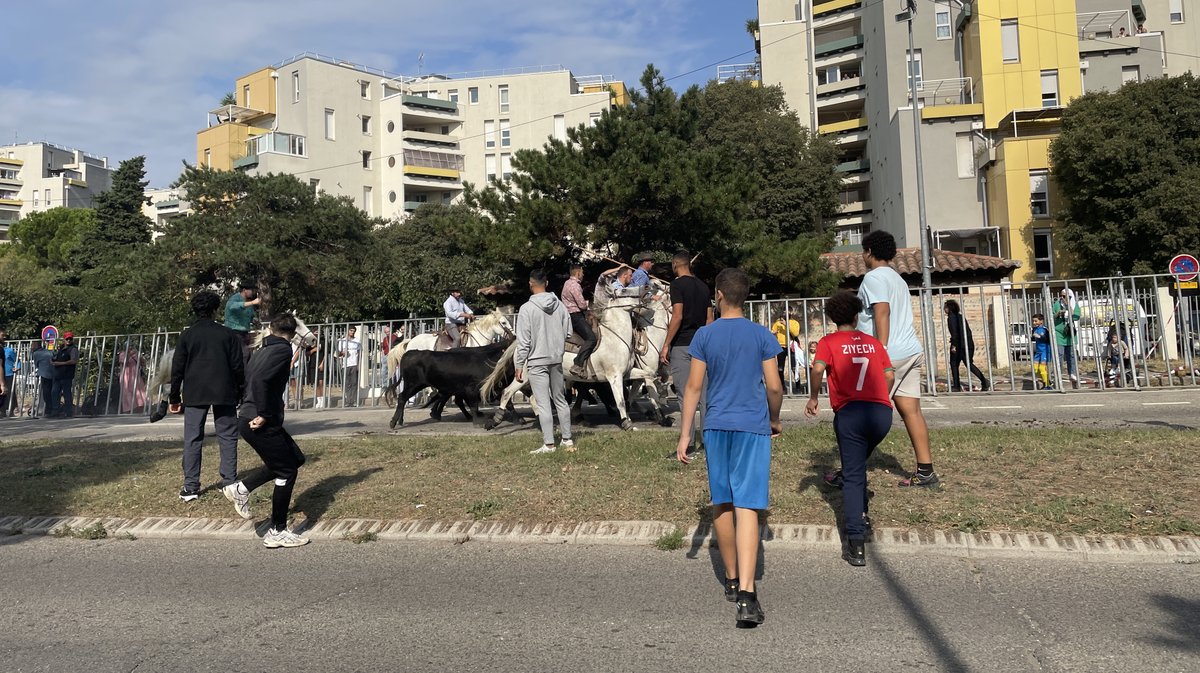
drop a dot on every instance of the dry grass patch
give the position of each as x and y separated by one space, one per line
1052 479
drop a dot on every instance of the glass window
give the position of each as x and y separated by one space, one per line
364 90
208 158
473 95
366 125
1131 73
367 204
391 126
1176 8
315 183
1010 41
453 96
490 167
506 166
366 154
391 197
942 21
295 86
246 95
560 127
1039 194
35 198
965 149
914 69
1043 253
503 91
329 124
1049 88
505 133
593 118
489 134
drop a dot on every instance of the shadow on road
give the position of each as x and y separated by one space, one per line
317 499
833 496
706 533
1164 424
1184 615
948 658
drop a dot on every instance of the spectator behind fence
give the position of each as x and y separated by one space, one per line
65 359
962 347
8 395
1066 314
1041 352
43 360
349 348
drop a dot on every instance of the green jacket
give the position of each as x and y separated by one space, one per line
1060 325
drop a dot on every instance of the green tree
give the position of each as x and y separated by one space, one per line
229 98
120 223
417 261
1128 164
52 238
31 298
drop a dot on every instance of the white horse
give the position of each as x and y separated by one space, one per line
481 332
303 338
614 361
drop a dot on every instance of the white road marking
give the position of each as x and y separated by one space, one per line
1163 404
1068 406
1011 407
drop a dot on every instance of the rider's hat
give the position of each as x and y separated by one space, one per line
643 256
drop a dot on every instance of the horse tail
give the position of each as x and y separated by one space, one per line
162 373
490 384
393 358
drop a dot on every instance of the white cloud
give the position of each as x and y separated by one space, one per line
139 79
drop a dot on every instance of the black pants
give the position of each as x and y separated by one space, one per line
580 326
47 396
860 427
8 398
956 359
281 461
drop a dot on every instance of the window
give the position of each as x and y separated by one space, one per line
366 154
1043 253
391 126
1130 73
364 90
941 18
392 161
489 134
1039 195
391 197
503 91
366 125
295 86
35 199
315 183
419 198
506 166
329 125
296 145
1049 88
473 95
453 94
1176 8
560 127
246 95
914 69
47 197
505 133
208 158
489 170
447 197
367 204
445 129
829 75
965 149
593 118
1010 41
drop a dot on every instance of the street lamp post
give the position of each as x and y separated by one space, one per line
926 265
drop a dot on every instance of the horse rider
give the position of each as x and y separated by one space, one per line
618 278
577 306
458 314
239 314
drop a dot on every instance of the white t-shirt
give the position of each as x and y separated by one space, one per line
884 285
350 347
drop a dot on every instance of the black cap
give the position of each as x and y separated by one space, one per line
248 285
643 257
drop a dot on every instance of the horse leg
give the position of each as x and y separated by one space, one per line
616 380
503 405
656 405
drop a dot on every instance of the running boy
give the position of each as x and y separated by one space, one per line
743 397
1041 351
860 374
261 425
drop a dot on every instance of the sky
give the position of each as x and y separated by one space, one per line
124 78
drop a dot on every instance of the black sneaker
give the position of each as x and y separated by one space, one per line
188 494
854 553
749 613
870 529
731 587
921 480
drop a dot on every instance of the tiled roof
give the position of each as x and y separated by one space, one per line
908 262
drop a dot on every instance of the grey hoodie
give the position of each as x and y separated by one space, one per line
543 326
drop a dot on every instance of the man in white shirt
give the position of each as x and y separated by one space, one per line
348 350
458 314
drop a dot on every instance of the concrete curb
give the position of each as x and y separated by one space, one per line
986 544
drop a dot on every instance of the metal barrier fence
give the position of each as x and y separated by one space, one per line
1160 329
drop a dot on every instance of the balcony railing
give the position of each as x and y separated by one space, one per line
276 142
733 72
820 8
432 104
433 159
843 126
856 166
957 91
836 46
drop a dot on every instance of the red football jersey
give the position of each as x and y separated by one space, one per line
854 365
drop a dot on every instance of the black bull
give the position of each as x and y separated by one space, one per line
458 373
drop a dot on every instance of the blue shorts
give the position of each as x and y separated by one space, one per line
739 467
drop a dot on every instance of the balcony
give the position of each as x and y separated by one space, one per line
248 161
831 6
423 138
1106 26
845 85
76 182
277 142
235 114
738 72
843 126
5 201
839 46
430 109
10 161
855 166
1139 11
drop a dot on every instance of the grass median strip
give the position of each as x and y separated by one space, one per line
1047 479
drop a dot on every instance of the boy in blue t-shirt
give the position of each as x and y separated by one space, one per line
744 394
1041 351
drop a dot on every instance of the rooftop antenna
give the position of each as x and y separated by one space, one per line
420 63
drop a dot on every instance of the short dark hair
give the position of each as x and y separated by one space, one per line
843 307
734 284
576 267
880 244
1039 316
682 258
538 277
952 306
205 303
284 323
248 284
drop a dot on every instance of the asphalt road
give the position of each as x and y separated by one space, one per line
1172 408
158 605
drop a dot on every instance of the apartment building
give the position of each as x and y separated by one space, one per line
991 78
164 204
392 142
39 176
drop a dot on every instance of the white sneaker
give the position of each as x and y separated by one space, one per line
567 445
240 497
544 449
283 538
319 404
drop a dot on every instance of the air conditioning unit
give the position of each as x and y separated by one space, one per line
976 126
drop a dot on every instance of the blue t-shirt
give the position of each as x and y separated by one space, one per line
10 360
44 361
1041 344
733 350
640 278
884 285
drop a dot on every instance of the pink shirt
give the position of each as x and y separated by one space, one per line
572 296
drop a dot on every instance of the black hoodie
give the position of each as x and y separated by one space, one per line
266 379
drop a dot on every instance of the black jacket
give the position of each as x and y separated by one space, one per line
266 379
207 365
957 323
